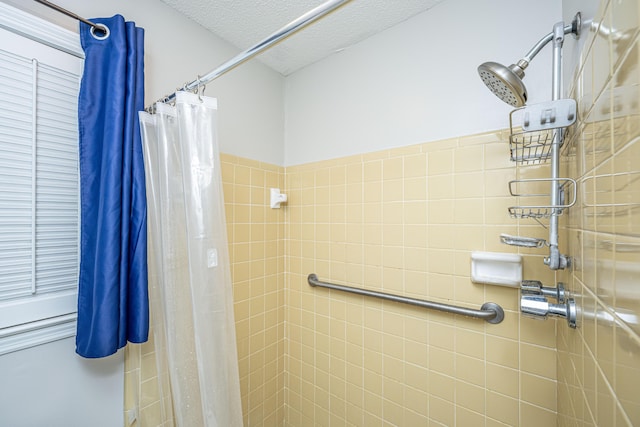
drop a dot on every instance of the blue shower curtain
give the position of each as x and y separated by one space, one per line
112 291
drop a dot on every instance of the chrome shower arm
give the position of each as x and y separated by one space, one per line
535 50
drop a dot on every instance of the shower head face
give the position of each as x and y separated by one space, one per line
504 82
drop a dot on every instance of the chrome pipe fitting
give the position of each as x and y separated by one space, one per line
556 260
539 307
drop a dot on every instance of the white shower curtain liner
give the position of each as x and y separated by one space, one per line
189 271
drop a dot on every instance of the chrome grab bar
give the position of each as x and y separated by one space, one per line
491 312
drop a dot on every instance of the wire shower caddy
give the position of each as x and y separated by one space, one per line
535 131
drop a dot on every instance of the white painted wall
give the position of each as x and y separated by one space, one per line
49 385
250 99
416 82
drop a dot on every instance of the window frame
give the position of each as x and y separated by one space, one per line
26 323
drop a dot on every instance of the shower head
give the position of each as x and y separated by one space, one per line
505 82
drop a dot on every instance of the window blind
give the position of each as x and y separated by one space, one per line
39 190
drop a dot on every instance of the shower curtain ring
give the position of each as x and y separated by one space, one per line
200 88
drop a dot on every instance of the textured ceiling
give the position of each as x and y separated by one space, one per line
244 23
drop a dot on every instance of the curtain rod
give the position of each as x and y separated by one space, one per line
284 32
71 14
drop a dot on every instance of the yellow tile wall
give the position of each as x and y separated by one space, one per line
256 248
599 363
405 221
143 389
402 221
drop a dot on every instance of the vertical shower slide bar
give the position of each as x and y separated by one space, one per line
555 260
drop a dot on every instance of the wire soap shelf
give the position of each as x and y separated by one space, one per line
530 148
529 188
533 130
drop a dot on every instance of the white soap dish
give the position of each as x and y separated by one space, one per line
495 268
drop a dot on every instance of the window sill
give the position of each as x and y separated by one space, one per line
40 332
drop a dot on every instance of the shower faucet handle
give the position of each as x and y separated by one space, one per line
534 287
539 307
531 287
